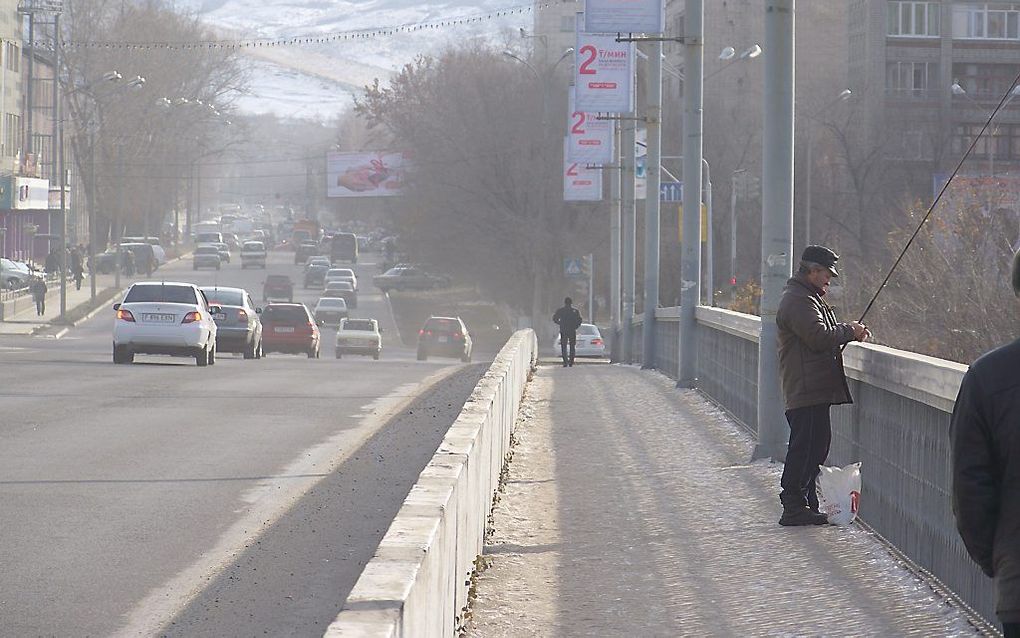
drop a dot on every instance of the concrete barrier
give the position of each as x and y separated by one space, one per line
417 583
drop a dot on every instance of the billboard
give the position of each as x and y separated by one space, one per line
370 174
580 184
31 194
589 139
603 72
623 16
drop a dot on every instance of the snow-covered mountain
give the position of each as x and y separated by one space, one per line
319 80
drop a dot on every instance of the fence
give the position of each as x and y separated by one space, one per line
898 427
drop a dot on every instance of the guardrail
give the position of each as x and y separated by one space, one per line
898 427
417 583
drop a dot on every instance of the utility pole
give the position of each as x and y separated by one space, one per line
777 217
615 210
690 251
629 251
652 220
733 232
62 178
709 251
591 287
93 211
115 225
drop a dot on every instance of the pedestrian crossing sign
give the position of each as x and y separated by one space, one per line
573 267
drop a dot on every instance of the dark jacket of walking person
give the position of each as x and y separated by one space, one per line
52 262
568 318
985 441
39 290
813 379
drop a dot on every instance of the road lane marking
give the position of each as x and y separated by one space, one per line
269 502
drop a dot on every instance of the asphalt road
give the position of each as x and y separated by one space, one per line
238 499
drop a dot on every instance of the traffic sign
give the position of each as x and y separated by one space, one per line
671 192
573 267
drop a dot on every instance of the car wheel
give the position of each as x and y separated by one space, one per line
202 358
259 353
290 299
217 266
122 355
339 355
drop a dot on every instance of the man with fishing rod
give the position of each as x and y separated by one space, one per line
985 438
813 379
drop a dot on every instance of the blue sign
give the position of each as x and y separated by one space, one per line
573 267
671 191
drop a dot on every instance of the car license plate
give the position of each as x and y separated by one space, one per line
283 329
158 317
220 316
443 339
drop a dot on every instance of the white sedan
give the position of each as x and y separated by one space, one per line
341 274
359 336
169 318
589 342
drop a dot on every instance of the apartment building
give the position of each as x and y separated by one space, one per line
553 30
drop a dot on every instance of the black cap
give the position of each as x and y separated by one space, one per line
568 301
822 256
1016 274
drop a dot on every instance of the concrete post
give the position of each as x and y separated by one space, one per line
690 251
654 172
62 177
777 218
808 170
709 250
615 175
629 251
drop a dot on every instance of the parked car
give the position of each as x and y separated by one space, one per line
359 336
330 310
145 256
290 328
343 290
304 250
444 337
278 287
589 342
224 251
409 278
106 262
15 274
157 248
168 318
315 276
342 274
238 327
253 253
206 257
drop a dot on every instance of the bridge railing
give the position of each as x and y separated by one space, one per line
898 427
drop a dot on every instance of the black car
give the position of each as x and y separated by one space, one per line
315 276
444 337
238 326
278 287
304 250
405 277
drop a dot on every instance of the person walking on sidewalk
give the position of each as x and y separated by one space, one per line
77 267
39 290
568 318
985 456
813 379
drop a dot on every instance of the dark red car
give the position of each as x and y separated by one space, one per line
278 287
290 328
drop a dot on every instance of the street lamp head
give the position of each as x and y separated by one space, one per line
524 33
112 76
1016 91
727 53
845 94
957 89
751 53
136 82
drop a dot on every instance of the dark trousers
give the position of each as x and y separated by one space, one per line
565 340
1011 629
40 306
810 436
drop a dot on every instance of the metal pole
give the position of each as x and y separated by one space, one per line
615 209
116 218
777 217
733 233
93 209
591 287
654 175
30 85
809 169
629 250
62 179
690 251
709 251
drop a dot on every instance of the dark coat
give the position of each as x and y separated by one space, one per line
568 318
810 360
38 289
985 436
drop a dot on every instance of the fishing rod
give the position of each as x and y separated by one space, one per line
938 198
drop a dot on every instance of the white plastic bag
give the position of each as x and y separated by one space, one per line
839 493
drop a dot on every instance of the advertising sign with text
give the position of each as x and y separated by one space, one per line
589 139
603 72
580 184
623 16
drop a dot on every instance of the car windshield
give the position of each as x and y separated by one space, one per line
254 245
332 303
317 268
284 314
345 272
338 272
362 325
206 250
587 329
161 293
394 271
221 297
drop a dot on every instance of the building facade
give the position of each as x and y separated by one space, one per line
554 31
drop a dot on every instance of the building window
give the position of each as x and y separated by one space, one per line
985 80
986 21
1003 141
914 19
12 131
911 77
13 55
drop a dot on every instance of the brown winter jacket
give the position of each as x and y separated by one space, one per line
810 361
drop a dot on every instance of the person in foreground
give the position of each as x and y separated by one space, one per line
568 318
985 453
813 379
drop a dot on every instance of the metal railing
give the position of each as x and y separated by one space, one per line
898 427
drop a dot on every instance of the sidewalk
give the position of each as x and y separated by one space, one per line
25 321
631 510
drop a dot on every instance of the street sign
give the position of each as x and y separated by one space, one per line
590 139
573 268
624 16
603 72
671 191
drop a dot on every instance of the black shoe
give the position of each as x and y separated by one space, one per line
801 516
564 365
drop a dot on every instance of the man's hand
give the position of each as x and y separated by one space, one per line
861 332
